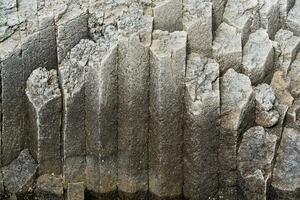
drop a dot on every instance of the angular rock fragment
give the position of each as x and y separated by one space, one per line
202 128
293 113
266 115
294 76
72 72
243 15
167 15
236 109
72 26
288 45
285 182
258 64
167 70
76 191
284 8
133 81
45 114
197 22
18 176
293 19
269 14
49 187
227 47
218 11
255 158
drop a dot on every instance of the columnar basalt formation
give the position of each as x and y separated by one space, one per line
149 99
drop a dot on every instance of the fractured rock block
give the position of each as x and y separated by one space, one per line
284 8
288 45
167 70
9 22
201 133
236 105
76 191
243 16
133 116
197 22
71 73
19 175
167 15
269 14
49 187
294 76
71 28
293 19
218 11
45 119
255 158
258 64
266 114
227 48
285 181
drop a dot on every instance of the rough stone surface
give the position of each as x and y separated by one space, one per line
285 180
45 119
288 45
236 103
227 47
197 22
257 64
294 76
167 58
19 175
255 158
76 191
293 19
49 187
201 133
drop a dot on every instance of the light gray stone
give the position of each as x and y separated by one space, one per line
236 106
133 115
167 15
286 174
167 70
294 76
45 115
19 175
197 22
293 19
255 158
76 191
258 64
243 15
288 45
293 113
218 11
201 135
227 48
284 8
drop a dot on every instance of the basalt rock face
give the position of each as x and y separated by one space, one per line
150 99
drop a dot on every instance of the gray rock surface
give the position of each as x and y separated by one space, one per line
45 119
255 158
236 103
294 76
167 70
293 19
76 191
19 175
227 47
257 64
49 187
201 132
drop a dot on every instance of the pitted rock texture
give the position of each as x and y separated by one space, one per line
149 99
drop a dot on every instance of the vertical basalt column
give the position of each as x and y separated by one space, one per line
13 112
71 72
45 106
108 123
167 70
201 133
133 117
236 108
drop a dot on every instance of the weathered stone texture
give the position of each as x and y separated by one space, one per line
255 158
49 187
227 48
236 104
167 70
45 119
293 19
294 76
76 191
201 132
